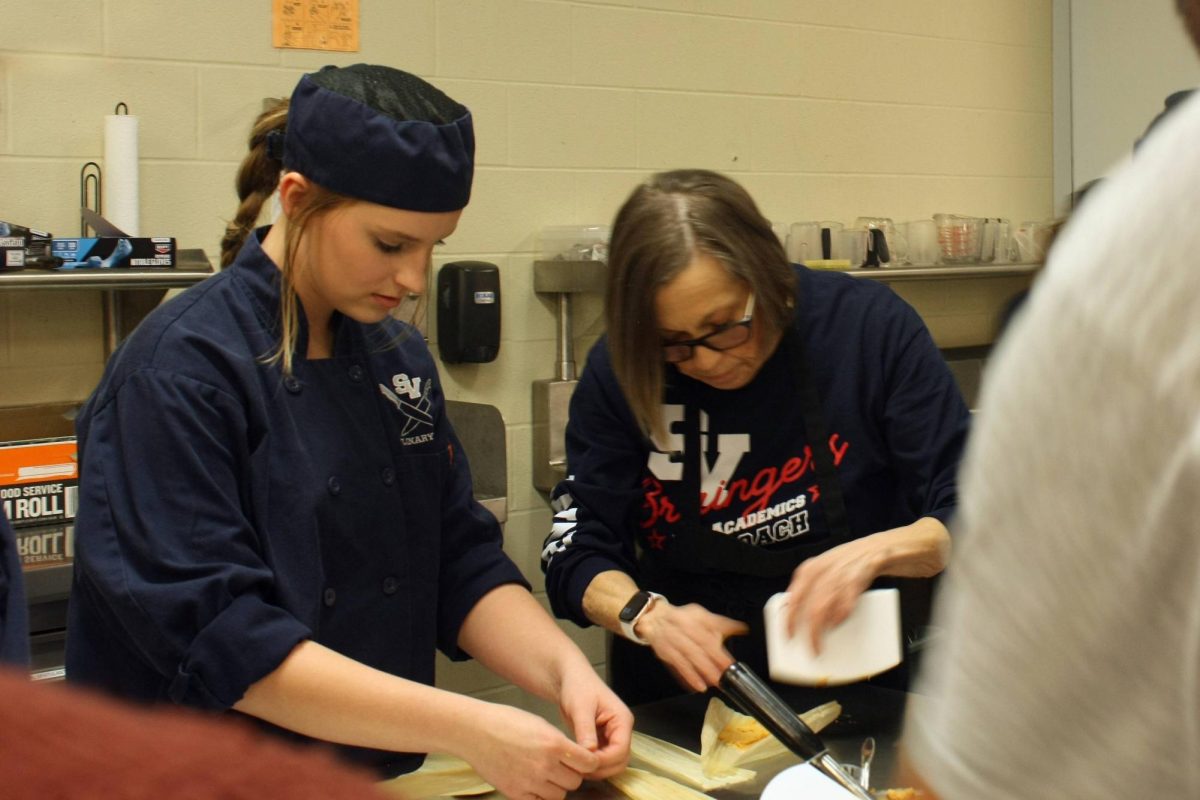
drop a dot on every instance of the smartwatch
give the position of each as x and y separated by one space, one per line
634 610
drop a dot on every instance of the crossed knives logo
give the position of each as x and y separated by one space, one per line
410 396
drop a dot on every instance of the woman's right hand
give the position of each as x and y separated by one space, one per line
690 640
524 756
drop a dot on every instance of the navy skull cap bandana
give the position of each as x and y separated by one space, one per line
382 135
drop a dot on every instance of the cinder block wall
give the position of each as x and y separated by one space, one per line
825 109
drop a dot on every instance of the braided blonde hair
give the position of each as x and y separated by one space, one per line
257 179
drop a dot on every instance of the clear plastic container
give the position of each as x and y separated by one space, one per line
960 238
573 243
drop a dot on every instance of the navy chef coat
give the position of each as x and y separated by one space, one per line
227 512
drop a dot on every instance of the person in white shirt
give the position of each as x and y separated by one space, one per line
1070 664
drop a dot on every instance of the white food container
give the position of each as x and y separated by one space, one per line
865 644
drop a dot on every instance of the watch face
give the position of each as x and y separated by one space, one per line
631 609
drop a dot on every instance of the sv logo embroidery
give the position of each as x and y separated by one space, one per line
410 396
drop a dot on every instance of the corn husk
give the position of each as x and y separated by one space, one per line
682 764
730 739
638 784
440 776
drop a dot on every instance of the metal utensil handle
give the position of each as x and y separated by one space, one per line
867 755
758 700
830 768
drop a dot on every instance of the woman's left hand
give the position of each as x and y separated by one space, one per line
825 588
598 718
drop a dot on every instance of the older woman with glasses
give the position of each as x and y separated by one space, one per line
746 427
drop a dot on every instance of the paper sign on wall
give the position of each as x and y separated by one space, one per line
315 24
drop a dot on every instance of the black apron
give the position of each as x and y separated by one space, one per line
704 551
724 574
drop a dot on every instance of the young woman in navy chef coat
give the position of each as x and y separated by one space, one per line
798 431
275 514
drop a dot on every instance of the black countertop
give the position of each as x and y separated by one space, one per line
867 710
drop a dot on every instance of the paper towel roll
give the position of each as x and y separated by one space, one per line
120 177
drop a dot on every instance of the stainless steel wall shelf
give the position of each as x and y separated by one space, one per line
122 287
192 267
925 272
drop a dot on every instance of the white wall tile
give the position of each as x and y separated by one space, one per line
4 101
1020 22
44 193
883 138
53 26
523 497
230 99
525 315
503 383
1013 22
488 103
568 127
191 201
598 194
506 40
908 69
61 103
651 49
230 31
713 130
510 206
524 533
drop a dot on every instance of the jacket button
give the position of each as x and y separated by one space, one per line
390 585
356 373
335 486
388 475
292 384
329 597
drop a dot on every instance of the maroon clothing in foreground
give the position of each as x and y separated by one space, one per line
59 741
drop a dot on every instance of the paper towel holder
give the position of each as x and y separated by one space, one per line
90 195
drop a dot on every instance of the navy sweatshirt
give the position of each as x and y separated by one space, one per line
896 425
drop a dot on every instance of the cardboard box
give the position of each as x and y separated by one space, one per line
22 247
46 546
38 481
106 252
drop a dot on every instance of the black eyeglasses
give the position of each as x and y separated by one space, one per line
725 337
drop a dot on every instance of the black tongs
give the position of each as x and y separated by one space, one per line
754 697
